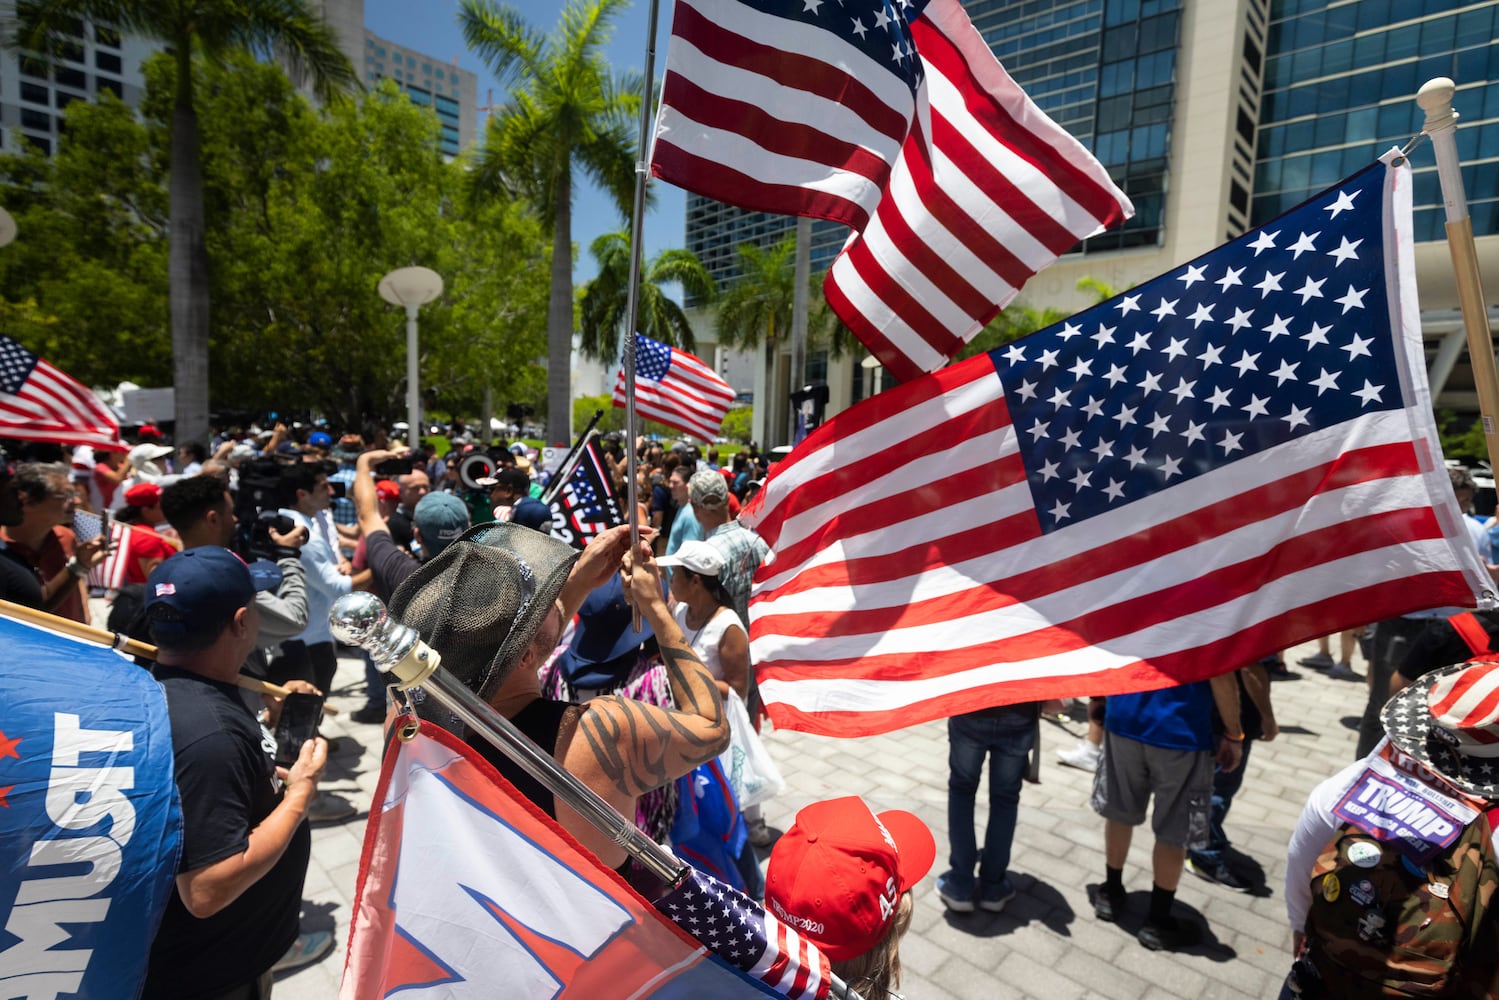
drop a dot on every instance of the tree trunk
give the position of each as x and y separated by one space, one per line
187 262
775 406
560 319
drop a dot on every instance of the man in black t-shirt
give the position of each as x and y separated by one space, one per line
18 582
245 839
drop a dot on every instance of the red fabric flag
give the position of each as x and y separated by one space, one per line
897 121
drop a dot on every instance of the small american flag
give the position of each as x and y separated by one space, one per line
739 931
1230 458
41 403
675 388
893 118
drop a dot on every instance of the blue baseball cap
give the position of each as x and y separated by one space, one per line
319 440
532 513
195 593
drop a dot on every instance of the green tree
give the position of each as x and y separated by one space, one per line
565 111
603 302
757 308
214 28
737 424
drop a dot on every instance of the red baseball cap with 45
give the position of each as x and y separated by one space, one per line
838 874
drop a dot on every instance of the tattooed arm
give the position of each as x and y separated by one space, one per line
634 747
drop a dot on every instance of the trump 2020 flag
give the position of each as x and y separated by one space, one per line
90 827
468 890
675 388
1230 458
896 120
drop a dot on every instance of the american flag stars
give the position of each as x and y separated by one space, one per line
1270 337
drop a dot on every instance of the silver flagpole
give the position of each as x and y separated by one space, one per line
632 299
1435 98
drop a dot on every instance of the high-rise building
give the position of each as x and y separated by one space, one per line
1217 115
93 59
90 61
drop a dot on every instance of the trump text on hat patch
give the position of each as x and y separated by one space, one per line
1400 810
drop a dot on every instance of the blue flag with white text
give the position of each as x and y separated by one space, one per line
90 827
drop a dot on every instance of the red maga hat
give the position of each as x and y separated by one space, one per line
143 495
838 874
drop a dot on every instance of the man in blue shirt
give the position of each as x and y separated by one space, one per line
1161 744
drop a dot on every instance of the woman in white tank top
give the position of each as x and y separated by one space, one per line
706 617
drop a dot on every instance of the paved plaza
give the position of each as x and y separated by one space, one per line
1047 943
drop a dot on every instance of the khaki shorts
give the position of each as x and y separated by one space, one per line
1130 772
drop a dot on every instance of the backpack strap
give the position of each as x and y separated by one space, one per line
1473 633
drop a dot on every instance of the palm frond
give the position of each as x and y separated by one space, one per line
500 36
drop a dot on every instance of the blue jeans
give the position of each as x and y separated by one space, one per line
1006 740
374 685
1226 785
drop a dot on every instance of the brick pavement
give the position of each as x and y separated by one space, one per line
1046 944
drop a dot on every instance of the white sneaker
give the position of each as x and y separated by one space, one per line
1084 756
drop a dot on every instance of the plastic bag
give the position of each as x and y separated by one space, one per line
752 773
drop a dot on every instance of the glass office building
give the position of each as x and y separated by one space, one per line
447 89
1339 88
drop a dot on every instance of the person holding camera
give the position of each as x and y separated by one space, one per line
310 655
201 510
246 842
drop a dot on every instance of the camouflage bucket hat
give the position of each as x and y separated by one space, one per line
481 601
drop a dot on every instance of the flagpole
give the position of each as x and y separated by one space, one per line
632 299
1435 98
125 644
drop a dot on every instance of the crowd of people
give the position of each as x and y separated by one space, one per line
229 558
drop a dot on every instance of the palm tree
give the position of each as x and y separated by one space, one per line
289 29
565 111
757 308
603 301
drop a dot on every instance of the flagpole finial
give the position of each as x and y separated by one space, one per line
1435 98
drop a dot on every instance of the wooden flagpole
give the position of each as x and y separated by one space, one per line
125 644
1435 98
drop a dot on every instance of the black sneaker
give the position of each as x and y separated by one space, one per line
1171 935
1108 903
368 715
1219 873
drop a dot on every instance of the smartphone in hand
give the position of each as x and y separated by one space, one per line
300 714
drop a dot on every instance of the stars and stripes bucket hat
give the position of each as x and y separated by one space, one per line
1449 722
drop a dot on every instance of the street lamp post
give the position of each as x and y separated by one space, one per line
412 287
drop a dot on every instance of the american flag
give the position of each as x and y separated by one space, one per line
41 403
893 118
675 388
1230 458
739 931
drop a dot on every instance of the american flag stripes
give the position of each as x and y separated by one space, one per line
894 119
675 388
739 931
1229 458
41 403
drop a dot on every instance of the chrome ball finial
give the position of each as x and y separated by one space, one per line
356 617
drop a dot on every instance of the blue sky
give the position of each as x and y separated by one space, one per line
432 27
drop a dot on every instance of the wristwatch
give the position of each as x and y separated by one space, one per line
77 568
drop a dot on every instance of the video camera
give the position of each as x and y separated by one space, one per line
258 540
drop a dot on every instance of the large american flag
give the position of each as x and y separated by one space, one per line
1230 458
41 403
675 388
738 930
893 118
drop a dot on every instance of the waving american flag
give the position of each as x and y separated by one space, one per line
892 117
676 388
1230 458
39 402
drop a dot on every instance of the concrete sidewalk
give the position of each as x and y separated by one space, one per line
1046 944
